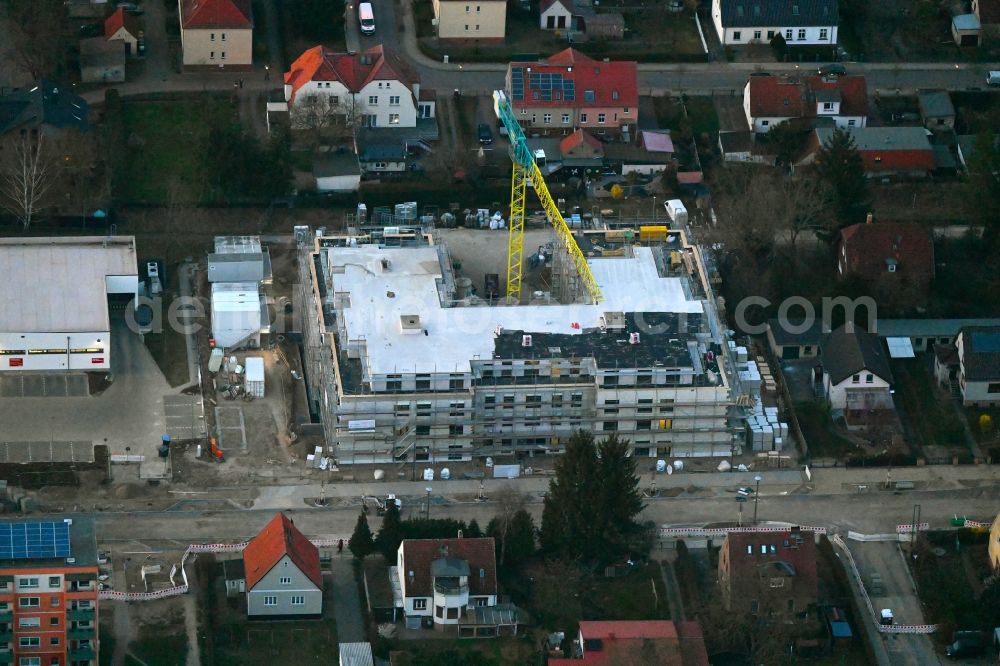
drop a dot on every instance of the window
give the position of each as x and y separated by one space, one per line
439 611
802 33
270 601
477 27
588 96
610 426
27 583
456 430
423 430
770 35
643 408
456 409
852 123
223 55
453 613
644 380
565 119
482 602
533 401
754 606
828 106
490 402
298 600
614 95
477 9
892 268
583 118
763 549
29 641
54 640
391 384
419 604
600 118
643 425
788 35
30 661
393 118
373 99
547 118
756 34
54 622
855 379
737 35
223 36
393 100
610 380
869 378
211 37
993 387
29 622
776 583
508 401
467 27
822 33
285 580
467 10
29 602
54 581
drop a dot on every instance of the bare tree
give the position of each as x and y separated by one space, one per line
36 33
328 117
28 173
509 501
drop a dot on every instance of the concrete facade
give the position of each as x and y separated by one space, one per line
219 48
471 19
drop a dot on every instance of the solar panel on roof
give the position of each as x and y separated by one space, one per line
21 541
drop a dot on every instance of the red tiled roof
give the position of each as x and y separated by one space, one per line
353 70
802 557
775 97
604 78
626 630
280 537
118 20
578 138
868 246
418 554
897 160
216 14
639 643
989 11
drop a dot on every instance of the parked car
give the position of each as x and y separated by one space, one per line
835 69
485 134
993 78
745 491
967 646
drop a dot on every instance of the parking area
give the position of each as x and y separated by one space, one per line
54 385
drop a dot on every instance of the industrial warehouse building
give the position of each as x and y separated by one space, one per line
405 365
56 298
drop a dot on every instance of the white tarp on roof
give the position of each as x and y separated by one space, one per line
900 348
235 313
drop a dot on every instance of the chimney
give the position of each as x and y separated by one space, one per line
633 338
868 218
444 550
416 90
460 534
525 340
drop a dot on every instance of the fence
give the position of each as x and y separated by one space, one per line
115 595
683 532
882 628
857 536
907 528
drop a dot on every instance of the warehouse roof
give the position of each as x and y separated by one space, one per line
58 285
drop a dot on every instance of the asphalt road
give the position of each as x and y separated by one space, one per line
840 512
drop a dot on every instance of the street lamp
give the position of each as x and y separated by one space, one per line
654 208
427 510
756 497
741 501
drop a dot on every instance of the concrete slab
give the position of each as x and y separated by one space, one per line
54 451
230 423
184 416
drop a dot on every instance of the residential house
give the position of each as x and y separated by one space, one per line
383 157
966 29
790 340
841 101
936 109
887 152
125 28
451 585
979 365
646 642
800 22
570 91
471 20
337 170
606 25
988 12
234 577
923 334
946 366
745 147
101 61
373 88
856 377
895 260
769 574
49 592
556 15
45 105
216 33
283 577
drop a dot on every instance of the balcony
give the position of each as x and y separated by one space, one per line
81 633
6 635
6 615
81 614
450 589
6 657
82 654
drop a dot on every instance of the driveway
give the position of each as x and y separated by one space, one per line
157 65
347 608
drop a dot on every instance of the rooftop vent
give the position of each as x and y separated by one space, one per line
613 321
409 324
498 330
633 338
525 340
386 265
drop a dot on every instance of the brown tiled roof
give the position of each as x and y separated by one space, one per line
776 97
799 553
989 11
867 248
209 14
418 554
981 353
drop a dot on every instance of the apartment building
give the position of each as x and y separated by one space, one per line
48 593
404 365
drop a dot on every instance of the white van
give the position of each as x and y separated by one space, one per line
993 78
367 18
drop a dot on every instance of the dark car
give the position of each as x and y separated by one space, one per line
485 134
966 646
836 69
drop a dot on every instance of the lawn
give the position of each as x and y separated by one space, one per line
299 642
156 649
704 117
818 429
932 418
483 652
163 143
638 596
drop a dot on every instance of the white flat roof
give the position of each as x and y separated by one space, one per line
58 284
457 335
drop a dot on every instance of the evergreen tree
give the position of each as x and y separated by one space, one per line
840 166
520 539
566 524
984 185
619 501
362 542
473 531
391 534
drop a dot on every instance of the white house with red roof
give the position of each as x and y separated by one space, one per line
571 91
282 572
837 100
374 83
124 27
216 33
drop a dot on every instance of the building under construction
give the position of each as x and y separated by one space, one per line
405 364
